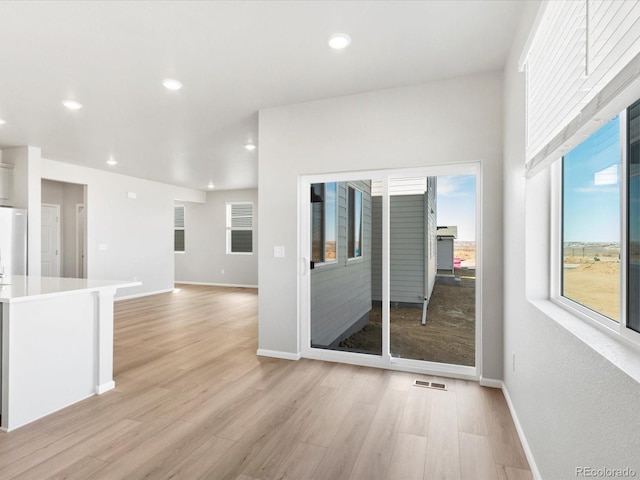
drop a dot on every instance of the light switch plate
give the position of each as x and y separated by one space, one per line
278 251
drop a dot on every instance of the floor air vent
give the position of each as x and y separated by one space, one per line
425 384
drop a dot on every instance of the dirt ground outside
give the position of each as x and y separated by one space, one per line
594 284
448 336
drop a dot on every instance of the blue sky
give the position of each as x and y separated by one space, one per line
457 204
591 188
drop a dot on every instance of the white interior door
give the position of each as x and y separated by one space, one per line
50 236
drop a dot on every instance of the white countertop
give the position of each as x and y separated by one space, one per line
20 288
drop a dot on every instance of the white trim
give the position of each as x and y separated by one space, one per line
278 354
523 439
386 271
397 364
303 255
183 228
105 387
81 250
478 270
355 191
15 427
490 382
385 360
240 285
229 228
614 329
145 294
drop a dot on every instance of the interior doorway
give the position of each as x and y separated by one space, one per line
69 257
50 240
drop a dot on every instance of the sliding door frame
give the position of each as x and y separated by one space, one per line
385 360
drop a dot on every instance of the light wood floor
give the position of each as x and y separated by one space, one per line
192 400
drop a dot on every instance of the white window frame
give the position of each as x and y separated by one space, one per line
385 360
360 257
326 263
617 329
229 228
183 228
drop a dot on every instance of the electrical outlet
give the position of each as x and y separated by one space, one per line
222 271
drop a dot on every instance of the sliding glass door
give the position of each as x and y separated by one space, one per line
391 270
432 269
341 284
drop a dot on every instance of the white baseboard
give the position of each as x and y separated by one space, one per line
145 294
105 387
490 382
14 427
239 285
523 440
277 354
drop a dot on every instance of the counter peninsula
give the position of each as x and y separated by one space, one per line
56 344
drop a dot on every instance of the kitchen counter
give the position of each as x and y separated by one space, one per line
20 288
56 344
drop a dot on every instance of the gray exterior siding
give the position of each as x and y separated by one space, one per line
413 240
431 213
341 291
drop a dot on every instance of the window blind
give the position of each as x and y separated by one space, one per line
581 61
613 39
555 72
241 215
178 216
178 228
240 227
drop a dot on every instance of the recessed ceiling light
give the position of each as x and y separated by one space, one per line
111 162
72 104
250 146
2 122
210 186
339 41
172 84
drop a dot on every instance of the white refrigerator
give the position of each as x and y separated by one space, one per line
13 242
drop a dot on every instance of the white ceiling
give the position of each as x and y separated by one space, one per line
233 58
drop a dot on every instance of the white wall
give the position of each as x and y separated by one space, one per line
575 407
136 235
67 195
205 254
444 122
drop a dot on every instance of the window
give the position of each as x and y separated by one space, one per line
324 222
591 222
354 239
633 217
240 228
178 228
600 266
